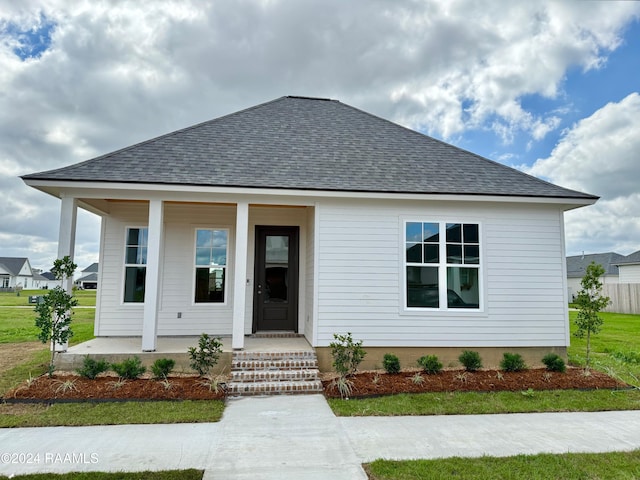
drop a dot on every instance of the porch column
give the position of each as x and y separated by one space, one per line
240 275
66 246
152 281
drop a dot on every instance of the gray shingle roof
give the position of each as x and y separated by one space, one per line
308 144
577 265
13 264
630 259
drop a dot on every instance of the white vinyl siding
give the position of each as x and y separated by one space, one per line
361 266
629 273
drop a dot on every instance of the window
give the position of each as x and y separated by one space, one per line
210 265
135 268
442 270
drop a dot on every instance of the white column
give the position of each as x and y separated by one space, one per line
66 245
240 275
152 282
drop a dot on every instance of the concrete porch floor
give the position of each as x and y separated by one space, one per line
117 349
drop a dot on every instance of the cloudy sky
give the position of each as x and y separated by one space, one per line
551 88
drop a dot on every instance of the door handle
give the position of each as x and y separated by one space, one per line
259 289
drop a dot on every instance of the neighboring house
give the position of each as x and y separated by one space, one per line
629 268
89 278
88 282
15 272
310 216
577 267
51 281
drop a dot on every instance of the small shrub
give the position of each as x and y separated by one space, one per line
344 386
130 368
346 354
470 360
91 368
391 363
430 364
417 379
554 363
461 377
512 362
66 386
214 384
376 378
206 356
162 367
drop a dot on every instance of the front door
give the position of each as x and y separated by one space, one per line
275 297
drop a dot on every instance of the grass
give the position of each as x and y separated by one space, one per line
190 474
474 403
570 466
17 318
111 413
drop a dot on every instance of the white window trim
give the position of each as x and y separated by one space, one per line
194 267
442 266
139 305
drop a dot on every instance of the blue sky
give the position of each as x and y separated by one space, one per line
581 94
549 87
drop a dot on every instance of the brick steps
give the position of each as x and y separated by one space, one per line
274 373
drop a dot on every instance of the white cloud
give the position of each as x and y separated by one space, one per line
116 73
599 155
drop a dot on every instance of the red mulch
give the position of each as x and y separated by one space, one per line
377 383
107 388
364 384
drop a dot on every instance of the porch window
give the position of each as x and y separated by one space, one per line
135 265
442 263
210 265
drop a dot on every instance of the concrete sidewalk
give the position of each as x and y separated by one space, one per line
299 437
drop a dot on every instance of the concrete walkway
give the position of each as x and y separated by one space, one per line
298 437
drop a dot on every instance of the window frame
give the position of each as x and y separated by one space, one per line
195 266
442 265
125 265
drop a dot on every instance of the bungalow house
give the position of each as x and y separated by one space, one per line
15 273
307 215
577 267
89 278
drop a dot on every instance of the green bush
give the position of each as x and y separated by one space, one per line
346 354
391 363
162 367
91 368
470 360
512 362
430 364
130 368
206 356
554 363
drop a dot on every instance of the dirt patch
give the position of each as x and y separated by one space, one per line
73 387
13 354
377 383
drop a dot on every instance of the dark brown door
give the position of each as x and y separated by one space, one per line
275 297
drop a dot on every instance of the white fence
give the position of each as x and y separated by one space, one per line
625 297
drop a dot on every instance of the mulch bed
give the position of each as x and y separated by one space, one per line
364 384
368 384
54 389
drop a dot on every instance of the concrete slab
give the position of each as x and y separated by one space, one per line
299 437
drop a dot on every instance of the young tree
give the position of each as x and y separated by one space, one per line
590 302
55 309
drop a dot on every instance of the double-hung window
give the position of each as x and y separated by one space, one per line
135 268
210 265
442 263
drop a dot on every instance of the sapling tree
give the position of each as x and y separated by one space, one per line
55 309
590 302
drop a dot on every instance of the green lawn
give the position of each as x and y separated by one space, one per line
113 413
17 317
570 466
